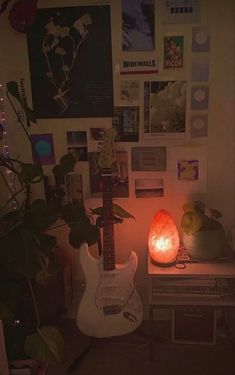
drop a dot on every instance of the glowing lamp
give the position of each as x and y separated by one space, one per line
163 239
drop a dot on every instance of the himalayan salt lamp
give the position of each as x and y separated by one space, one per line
163 239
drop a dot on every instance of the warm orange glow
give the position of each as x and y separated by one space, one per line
163 239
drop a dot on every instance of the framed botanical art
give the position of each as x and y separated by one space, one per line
71 62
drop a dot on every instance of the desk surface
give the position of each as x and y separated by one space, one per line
193 269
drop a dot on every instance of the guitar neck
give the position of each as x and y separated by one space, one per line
108 225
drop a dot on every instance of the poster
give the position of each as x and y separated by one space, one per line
130 92
70 59
138 30
148 158
43 149
200 39
199 97
139 66
188 169
164 108
126 123
173 52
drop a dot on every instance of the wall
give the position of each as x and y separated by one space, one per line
219 143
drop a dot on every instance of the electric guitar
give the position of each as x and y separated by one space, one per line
110 305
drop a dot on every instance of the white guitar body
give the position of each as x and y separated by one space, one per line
110 305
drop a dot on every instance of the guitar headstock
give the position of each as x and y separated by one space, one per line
107 154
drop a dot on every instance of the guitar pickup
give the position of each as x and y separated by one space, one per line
111 309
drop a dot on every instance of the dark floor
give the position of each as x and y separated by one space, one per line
129 354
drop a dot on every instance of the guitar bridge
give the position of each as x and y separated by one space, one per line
111 309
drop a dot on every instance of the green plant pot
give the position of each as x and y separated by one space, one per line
205 244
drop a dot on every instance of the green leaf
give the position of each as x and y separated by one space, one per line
40 215
72 212
67 163
200 206
13 89
117 210
215 213
83 231
5 312
192 222
46 345
30 173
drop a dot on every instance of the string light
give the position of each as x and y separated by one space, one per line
5 152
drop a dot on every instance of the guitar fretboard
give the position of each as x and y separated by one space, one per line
108 228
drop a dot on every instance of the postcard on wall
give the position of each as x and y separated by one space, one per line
126 123
200 39
181 11
148 158
174 52
149 187
130 92
120 178
188 169
165 108
43 149
77 144
138 29
139 66
199 97
200 68
198 125
70 58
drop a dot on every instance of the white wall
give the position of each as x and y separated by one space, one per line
219 17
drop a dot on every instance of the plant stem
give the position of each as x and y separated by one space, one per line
34 304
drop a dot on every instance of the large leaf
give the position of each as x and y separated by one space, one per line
72 212
192 222
46 345
13 89
5 312
40 215
11 292
30 173
83 231
67 163
117 210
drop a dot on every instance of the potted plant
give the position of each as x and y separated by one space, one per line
203 235
26 245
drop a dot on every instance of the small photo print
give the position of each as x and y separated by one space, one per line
138 30
130 92
126 123
97 134
200 69
198 125
77 144
173 52
165 108
200 39
199 97
188 170
43 149
74 187
181 11
55 189
120 179
149 187
148 158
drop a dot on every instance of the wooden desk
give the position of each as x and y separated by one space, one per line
192 271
